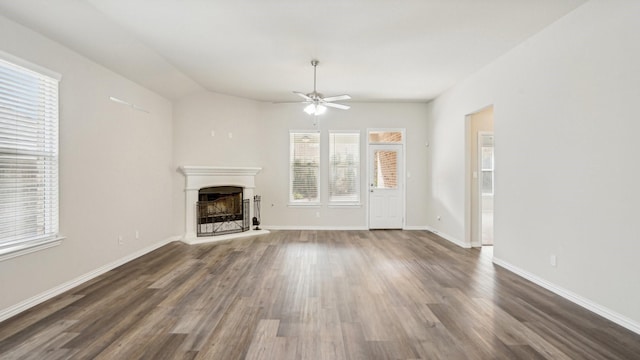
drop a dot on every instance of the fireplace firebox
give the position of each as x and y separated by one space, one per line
222 210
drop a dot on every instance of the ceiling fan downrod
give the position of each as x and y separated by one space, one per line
314 63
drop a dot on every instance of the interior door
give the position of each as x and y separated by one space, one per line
386 201
485 169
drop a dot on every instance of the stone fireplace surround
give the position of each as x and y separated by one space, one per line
197 177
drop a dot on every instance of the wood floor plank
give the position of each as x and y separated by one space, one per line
34 315
313 295
34 343
264 340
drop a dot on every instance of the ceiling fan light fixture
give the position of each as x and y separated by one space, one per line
310 109
315 109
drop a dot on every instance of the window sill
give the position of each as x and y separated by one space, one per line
344 206
29 247
304 205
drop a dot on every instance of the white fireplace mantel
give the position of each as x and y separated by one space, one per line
198 177
203 176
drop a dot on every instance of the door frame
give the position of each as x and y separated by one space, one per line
480 200
402 173
468 209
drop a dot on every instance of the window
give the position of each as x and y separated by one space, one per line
28 157
486 165
304 163
344 167
385 169
385 137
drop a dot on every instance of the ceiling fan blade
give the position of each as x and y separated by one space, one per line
304 96
337 106
337 98
289 102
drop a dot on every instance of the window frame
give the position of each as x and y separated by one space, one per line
305 203
21 246
345 203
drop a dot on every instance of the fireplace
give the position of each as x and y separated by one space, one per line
203 177
222 210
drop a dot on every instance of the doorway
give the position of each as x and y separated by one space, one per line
386 179
485 184
481 165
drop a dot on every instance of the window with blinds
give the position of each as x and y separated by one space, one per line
28 157
344 167
304 163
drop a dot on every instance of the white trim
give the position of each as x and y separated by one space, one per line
449 238
336 228
304 205
402 130
345 205
198 177
346 131
213 239
55 291
571 296
29 247
30 66
480 200
314 227
219 170
416 227
468 182
318 200
403 171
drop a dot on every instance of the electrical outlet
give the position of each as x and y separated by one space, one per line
553 260
137 234
120 240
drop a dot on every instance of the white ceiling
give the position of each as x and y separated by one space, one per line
375 50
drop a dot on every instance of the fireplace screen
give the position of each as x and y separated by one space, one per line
222 210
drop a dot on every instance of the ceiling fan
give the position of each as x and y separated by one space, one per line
317 103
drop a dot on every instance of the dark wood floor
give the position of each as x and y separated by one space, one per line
312 295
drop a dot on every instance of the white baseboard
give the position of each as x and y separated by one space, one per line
346 228
573 297
449 238
415 227
42 297
213 239
314 227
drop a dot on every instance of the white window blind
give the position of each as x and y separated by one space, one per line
28 157
304 163
344 167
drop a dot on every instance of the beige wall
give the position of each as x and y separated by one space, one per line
115 170
261 138
195 118
566 125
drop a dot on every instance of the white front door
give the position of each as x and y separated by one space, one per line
386 200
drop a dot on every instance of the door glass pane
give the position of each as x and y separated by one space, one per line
385 169
487 182
487 158
387 137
